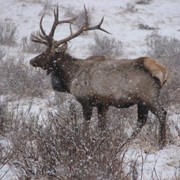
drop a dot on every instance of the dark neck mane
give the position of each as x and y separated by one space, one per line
65 68
68 57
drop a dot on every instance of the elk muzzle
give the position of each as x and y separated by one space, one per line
33 62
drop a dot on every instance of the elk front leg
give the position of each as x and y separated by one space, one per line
102 111
142 118
87 113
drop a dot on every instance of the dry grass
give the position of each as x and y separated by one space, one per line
29 46
58 147
167 51
21 80
144 2
2 53
7 33
71 12
105 46
130 7
61 150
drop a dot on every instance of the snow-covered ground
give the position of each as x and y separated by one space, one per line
122 19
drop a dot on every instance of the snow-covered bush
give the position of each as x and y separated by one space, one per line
164 47
130 7
2 53
167 51
71 12
4 121
7 33
60 149
144 2
19 79
47 7
31 47
106 46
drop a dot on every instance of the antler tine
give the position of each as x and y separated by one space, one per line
38 38
86 23
84 27
56 15
57 22
41 27
97 27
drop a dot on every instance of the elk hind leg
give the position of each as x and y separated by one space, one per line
160 113
142 118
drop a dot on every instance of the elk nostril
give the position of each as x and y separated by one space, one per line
32 62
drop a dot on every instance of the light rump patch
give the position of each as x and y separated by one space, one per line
156 69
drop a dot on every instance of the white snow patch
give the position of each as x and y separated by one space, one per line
164 15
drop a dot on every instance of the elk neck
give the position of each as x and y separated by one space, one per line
65 66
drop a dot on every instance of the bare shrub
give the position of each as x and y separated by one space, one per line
2 53
80 18
103 45
167 51
5 157
146 27
163 47
71 12
31 47
7 33
130 7
4 119
47 7
61 150
36 1
19 79
144 2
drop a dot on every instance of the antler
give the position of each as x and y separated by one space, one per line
84 27
43 38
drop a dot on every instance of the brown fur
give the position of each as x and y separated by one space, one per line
156 69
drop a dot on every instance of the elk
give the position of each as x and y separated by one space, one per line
100 81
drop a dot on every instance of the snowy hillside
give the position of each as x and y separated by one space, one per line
127 21
122 19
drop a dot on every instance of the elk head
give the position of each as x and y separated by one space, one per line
56 49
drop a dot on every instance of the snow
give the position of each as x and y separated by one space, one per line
164 15
161 164
122 23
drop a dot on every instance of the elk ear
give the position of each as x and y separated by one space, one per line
63 48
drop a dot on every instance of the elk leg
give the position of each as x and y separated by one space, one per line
142 118
160 113
87 113
102 111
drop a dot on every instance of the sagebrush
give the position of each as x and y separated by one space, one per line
21 80
59 149
106 46
8 32
167 51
